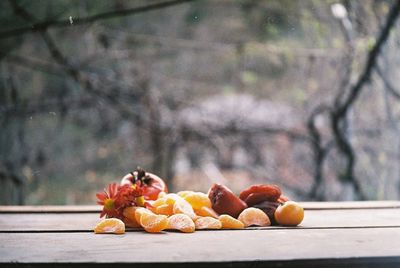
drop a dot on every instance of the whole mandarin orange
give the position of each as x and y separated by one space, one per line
289 214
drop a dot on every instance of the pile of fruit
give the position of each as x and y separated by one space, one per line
142 201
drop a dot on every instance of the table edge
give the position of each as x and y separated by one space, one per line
97 209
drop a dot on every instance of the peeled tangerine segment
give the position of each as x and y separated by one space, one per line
207 223
110 226
181 206
197 200
130 219
159 202
181 222
254 216
140 211
153 223
206 212
161 195
167 199
229 222
166 209
184 193
172 198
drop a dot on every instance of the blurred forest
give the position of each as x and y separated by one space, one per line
299 93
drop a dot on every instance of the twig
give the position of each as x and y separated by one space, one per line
73 72
340 110
319 152
44 25
371 61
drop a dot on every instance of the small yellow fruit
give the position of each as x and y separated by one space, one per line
289 214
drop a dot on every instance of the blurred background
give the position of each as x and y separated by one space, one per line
299 93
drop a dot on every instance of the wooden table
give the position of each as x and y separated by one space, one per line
350 234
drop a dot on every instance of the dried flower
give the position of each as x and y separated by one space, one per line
118 197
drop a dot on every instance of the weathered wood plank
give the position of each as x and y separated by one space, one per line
364 262
86 221
350 205
48 222
306 205
50 209
225 246
340 218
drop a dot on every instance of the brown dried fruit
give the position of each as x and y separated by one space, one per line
260 192
269 208
224 201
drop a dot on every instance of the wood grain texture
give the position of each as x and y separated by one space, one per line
223 246
306 205
339 218
50 209
350 205
48 222
356 234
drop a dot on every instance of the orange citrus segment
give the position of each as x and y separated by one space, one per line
181 206
254 216
153 223
229 222
207 223
141 211
158 202
184 193
181 222
197 200
129 214
161 195
172 198
164 210
110 226
206 212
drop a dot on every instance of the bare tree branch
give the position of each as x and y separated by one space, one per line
44 25
73 72
157 134
339 112
371 61
319 150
